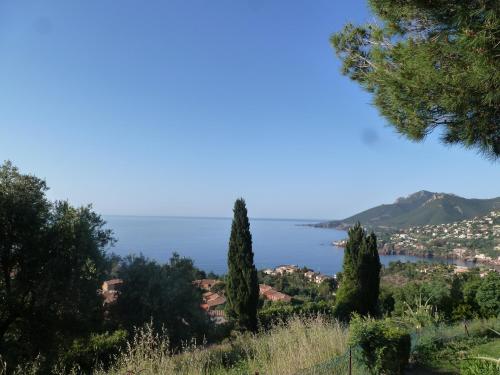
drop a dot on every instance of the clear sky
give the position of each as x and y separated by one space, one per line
178 107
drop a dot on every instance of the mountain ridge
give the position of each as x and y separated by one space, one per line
420 208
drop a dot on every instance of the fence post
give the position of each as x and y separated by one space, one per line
350 361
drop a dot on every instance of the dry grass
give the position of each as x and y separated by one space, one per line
285 349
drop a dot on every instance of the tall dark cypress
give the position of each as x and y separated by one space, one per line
360 284
242 288
371 284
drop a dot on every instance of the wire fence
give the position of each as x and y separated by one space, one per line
346 363
350 363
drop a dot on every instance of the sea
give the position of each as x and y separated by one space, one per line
205 241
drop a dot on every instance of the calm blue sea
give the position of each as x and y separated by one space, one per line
205 240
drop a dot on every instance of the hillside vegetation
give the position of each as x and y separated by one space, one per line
421 208
316 345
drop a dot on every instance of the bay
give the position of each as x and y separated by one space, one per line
205 240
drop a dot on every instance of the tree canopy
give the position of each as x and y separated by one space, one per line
431 64
161 294
52 263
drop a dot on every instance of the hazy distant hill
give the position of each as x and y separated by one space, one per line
420 208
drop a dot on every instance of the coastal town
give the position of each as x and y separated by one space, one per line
475 240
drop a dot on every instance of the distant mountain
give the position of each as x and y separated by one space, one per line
421 208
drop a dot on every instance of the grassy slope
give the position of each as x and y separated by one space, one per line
286 349
490 349
292 349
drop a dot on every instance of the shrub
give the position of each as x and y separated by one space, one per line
385 346
478 366
85 354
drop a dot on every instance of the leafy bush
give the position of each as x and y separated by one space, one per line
487 295
97 349
420 314
443 345
279 312
478 366
385 346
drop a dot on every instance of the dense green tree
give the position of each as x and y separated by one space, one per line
488 295
436 293
51 264
163 294
386 300
242 288
431 64
360 285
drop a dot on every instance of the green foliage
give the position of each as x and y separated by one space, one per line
438 294
359 289
98 349
454 296
483 366
421 314
445 346
386 301
431 64
163 294
242 288
488 295
52 263
385 345
278 312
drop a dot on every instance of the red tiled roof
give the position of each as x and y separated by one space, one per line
264 288
219 300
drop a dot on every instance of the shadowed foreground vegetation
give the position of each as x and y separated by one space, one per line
285 349
299 346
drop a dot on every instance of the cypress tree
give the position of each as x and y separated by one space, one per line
360 286
242 288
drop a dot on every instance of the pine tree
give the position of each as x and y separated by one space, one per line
242 288
430 65
360 286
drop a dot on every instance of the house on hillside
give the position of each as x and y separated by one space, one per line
263 288
109 290
320 278
272 294
460 269
310 275
282 270
275 296
111 285
205 284
212 300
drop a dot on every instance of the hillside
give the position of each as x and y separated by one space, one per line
421 208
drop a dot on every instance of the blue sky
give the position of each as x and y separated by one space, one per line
178 107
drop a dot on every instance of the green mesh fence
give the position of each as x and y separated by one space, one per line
349 363
344 364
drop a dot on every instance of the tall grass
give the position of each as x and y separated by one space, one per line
285 349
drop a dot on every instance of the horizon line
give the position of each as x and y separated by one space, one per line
214 217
